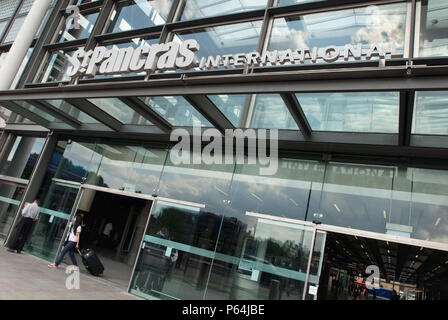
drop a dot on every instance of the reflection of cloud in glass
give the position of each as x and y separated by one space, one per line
382 27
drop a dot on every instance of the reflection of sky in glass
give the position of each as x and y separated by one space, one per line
351 111
363 197
139 14
225 39
72 111
271 113
230 105
176 110
383 25
37 111
119 110
430 112
196 9
86 24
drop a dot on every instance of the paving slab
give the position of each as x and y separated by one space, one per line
26 277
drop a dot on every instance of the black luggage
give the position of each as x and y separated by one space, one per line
91 261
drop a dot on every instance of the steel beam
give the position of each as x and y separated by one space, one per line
233 84
296 111
55 112
146 112
405 117
211 112
96 113
14 107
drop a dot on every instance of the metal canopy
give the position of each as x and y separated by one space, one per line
397 143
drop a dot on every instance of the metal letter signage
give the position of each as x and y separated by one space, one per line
174 55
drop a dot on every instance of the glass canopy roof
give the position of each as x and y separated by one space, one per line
313 113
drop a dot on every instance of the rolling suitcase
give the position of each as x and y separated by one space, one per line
91 262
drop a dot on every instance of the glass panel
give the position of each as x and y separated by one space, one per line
200 183
434 28
291 2
271 113
427 211
86 24
176 110
37 111
55 67
381 25
231 106
196 9
71 111
355 196
351 111
21 68
10 197
15 28
22 157
260 259
223 40
126 167
49 229
3 26
78 2
131 15
177 253
119 110
26 6
7 8
430 112
71 160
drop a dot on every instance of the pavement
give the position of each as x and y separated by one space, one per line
26 277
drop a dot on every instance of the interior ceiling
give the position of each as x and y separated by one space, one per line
403 263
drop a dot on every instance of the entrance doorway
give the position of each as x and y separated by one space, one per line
113 227
359 268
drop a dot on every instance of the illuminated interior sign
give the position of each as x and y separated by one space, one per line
175 55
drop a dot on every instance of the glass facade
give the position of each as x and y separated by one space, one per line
10 197
71 31
430 113
379 25
137 14
176 110
351 111
224 39
119 110
197 9
55 67
271 112
22 157
433 29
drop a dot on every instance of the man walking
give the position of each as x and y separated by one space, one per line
30 214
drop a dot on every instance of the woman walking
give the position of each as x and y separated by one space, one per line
71 243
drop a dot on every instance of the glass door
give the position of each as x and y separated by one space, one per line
57 206
10 197
176 253
274 260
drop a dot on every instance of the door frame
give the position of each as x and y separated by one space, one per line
152 198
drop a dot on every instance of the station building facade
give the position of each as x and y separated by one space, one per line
357 90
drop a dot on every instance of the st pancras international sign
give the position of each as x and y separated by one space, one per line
181 55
